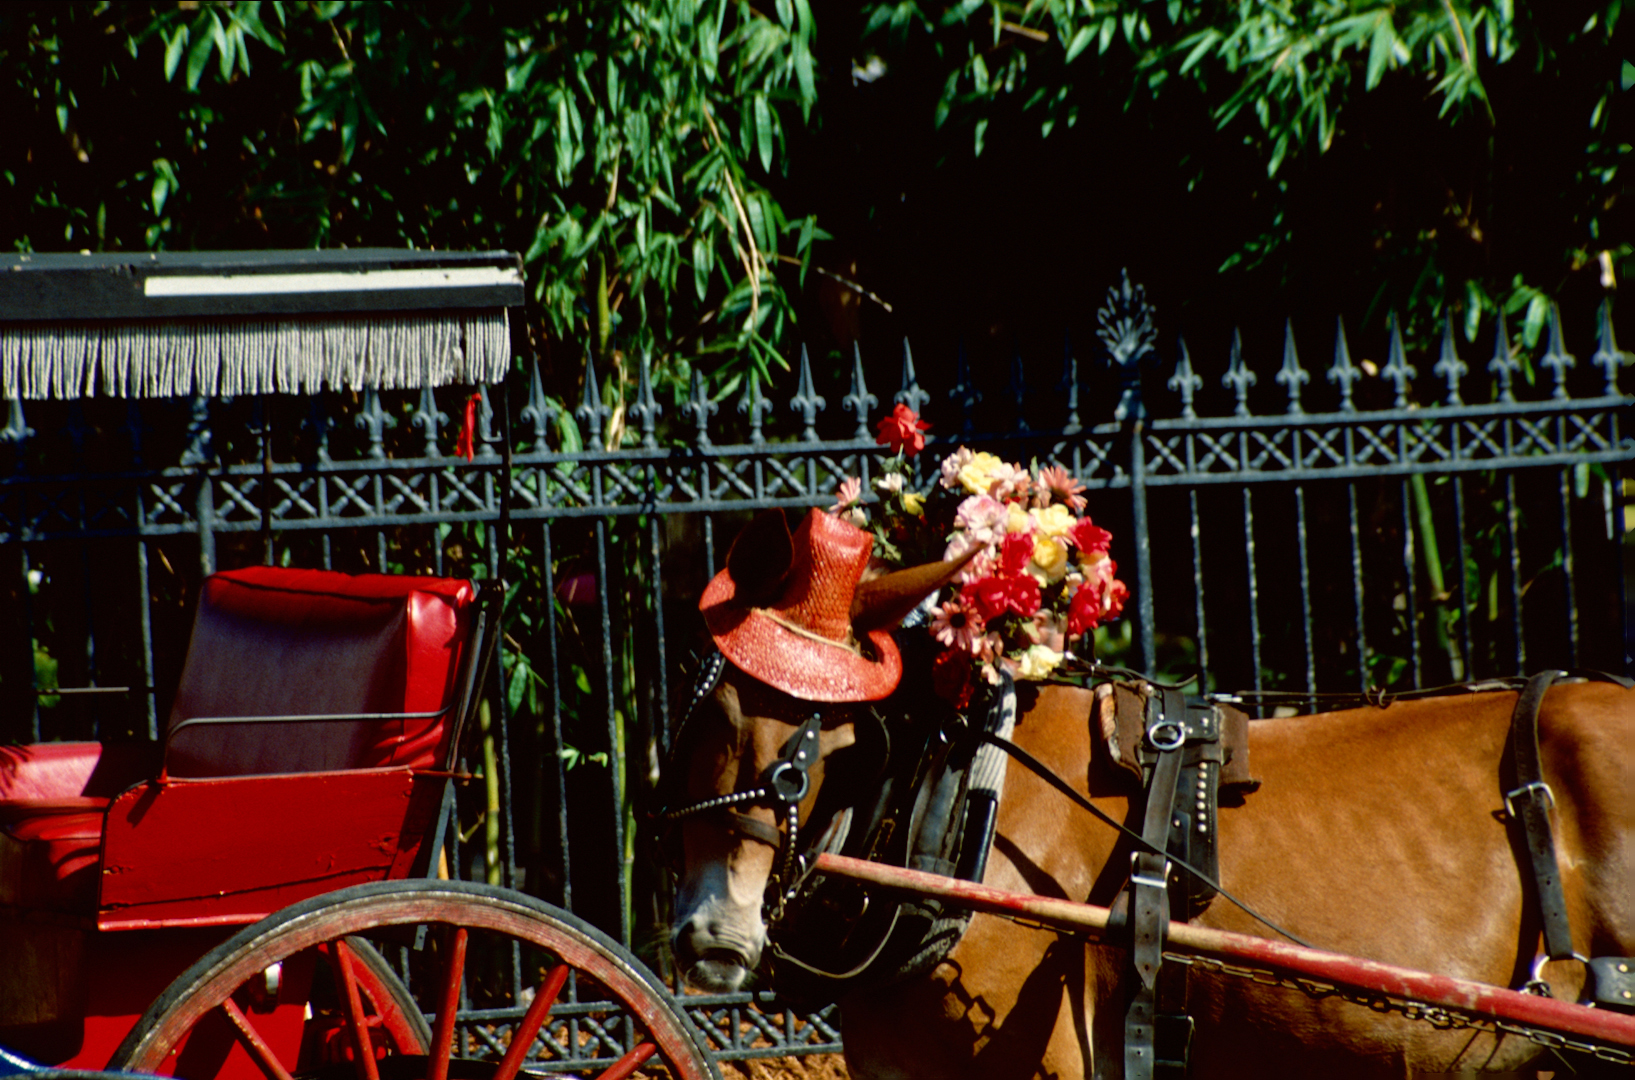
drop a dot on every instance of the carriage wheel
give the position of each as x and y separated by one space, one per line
512 984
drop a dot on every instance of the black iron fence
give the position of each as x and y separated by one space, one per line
1400 521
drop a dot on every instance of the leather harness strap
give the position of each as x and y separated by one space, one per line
1530 803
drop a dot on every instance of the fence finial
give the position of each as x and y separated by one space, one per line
539 409
1070 384
1504 364
1125 325
755 406
1556 357
1397 368
1185 382
16 429
427 417
1343 372
701 408
485 424
807 401
859 401
646 409
1292 376
371 419
1448 365
911 394
1238 376
591 411
1607 357
1017 388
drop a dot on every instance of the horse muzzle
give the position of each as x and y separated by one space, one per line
715 958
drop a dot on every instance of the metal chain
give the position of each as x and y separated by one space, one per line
1435 1015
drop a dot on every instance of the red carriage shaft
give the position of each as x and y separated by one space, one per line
1474 998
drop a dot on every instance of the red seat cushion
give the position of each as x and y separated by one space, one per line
49 851
269 641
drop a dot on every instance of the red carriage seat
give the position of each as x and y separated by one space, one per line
274 642
267 642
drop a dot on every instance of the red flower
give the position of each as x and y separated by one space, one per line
1015 551
1089 538
1003 594
901 431
1084 613
951 677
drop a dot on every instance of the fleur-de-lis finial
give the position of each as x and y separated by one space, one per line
701 408
1343 371
1125 326
1238 376
373 420
807 401
1607 356
1448 364
859 401
1556 357
1504 364
911 394
427 417
1017 388
646 408
539 410
591 412
1291 376
1185 382
1069 385
755 407
1397 369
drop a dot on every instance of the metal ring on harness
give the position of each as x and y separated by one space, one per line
779 783
1167 735
1537 984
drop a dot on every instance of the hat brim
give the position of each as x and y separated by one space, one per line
801 666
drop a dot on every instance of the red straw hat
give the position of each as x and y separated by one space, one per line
782 610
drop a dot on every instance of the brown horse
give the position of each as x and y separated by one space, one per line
1380 833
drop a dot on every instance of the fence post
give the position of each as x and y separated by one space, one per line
1125 326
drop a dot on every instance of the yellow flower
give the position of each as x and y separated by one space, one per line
1017 520
1038 662
1055 520
977 475
1049 560
914 503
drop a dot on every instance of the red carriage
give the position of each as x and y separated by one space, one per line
264 893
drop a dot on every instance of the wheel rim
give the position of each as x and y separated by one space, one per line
575 1002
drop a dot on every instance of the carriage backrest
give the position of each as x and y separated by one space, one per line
269 641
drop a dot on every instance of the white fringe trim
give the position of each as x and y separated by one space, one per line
253 356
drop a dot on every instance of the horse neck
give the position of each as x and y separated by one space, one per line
1044 843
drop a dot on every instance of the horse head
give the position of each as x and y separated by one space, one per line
804 646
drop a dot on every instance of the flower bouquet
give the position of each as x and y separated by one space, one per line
1040 577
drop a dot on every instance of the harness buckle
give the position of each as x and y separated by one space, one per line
1137 877
1529 791
1166 735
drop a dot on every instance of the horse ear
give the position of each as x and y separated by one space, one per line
760 558
886 599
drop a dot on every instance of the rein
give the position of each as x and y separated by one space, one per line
1045 773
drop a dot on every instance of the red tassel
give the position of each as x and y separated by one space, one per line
466 445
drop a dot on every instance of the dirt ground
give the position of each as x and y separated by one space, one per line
809 1067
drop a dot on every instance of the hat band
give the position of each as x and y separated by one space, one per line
849 645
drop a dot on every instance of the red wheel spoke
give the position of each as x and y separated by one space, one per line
448 1006
253 1043
523 1038
354 1012
630 1062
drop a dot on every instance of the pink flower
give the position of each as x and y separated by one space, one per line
1089 538
1010 482
953 463
1055 483
981 565
981 516
955 626
901 431
846 505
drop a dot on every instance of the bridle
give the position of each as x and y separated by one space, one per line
782 785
